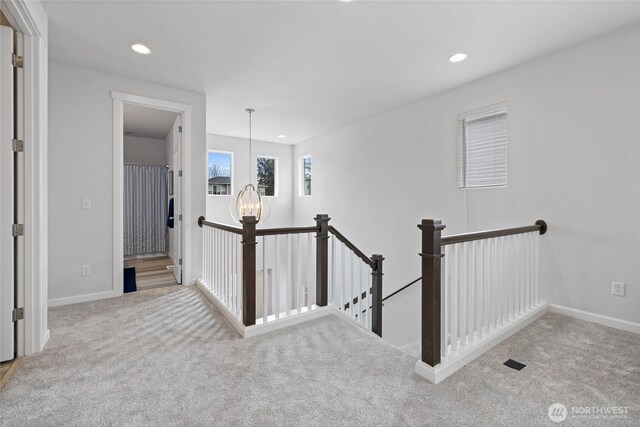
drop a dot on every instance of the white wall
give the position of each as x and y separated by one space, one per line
574 160
81 165
145 151
281 206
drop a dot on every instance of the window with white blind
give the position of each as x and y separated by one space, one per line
482 137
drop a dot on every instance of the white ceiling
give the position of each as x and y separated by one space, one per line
147 122
310 67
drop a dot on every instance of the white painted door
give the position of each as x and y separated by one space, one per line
177 201
7 278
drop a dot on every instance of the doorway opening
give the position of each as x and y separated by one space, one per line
151 152
151 200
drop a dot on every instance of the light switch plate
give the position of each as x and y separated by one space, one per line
86 270
86 203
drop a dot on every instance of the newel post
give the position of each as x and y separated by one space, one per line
322 259
431 289
249 270
376 295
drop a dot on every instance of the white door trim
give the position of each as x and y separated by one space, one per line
30 19
119 100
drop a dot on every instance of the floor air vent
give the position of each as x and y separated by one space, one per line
514 365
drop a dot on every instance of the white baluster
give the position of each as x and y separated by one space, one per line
216 254
332 276
277 279
446 309
536 269
464 283
290 288
360 297
233 273
343 285
473 283
454 298
531 273
227 300
205 254
310 262
527 285
499 280
522 271
265 291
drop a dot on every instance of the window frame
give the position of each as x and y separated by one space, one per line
276 173
491 110
301 175
231 172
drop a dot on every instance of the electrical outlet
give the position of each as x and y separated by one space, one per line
617 288
86 270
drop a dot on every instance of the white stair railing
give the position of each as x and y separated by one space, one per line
263 275
477 289
488 283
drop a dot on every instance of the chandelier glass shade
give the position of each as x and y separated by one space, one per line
248 202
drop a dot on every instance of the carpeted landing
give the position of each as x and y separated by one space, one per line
166 357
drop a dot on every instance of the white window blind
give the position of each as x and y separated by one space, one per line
483 148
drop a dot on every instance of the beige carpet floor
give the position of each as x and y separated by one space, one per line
166 357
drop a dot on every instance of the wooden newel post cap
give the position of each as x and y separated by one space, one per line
431 224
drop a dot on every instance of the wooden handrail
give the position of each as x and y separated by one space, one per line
225 227
353 247
286 230
539 226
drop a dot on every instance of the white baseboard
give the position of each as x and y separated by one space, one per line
455 361
55 302
274 325
260 329
233 320
612 322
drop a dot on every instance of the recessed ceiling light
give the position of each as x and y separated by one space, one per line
140 48
458 57
282 136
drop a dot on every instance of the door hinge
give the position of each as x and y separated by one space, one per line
17 230
180 261
179 173
180 217
180 129
17 145
17 61
17 314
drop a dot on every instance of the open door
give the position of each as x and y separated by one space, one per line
7 194
177 152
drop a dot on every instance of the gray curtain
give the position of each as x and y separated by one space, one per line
145 209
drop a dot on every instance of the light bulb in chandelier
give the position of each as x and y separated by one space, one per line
249 202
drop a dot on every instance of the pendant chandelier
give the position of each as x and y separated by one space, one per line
249 201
